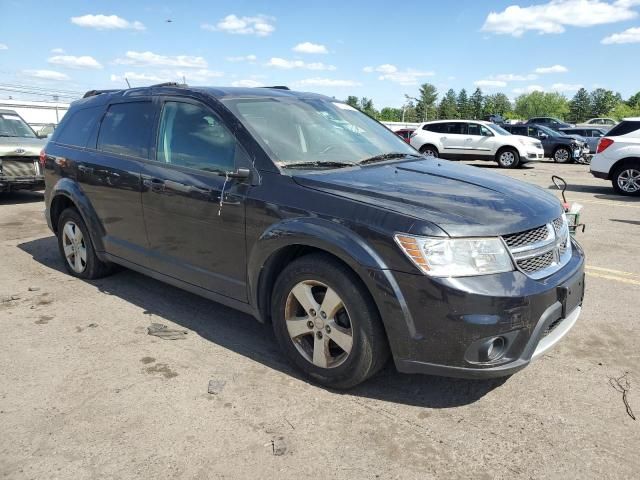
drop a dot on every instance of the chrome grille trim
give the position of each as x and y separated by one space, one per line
541 251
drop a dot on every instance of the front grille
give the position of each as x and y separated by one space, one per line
19 166
540 251
527 237
534 264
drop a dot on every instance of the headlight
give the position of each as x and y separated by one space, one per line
456 257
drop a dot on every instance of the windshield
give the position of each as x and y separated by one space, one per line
11 125
315 131
498 129
548 131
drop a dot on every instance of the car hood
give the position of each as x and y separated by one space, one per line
462 200
20 146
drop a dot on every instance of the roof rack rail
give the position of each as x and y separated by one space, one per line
278 87
93 93
169 84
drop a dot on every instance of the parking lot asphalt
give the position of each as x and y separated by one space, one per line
86 393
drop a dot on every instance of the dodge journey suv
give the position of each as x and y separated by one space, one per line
305 213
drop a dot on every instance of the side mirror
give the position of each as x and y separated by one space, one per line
240 173
543 135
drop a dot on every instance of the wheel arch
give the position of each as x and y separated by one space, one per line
621 162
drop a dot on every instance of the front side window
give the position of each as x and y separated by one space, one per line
296 130
193 136
125 129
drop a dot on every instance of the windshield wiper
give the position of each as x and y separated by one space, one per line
386 156
317 164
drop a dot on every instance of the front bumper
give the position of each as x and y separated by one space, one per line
8 184
451 320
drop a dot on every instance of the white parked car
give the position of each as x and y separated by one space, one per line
475 140
617 157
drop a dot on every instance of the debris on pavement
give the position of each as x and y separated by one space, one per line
216 386
34 289
164 332
623 385
278 446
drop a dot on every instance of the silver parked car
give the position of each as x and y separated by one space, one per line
19 154
591 135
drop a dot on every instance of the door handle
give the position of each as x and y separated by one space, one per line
154 184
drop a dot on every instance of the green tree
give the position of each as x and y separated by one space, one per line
623 110
448 107
502 104
634 100
366 106
603 101
426 106
463 104
410 115
580 106
390 114
353 101
475 104
540 104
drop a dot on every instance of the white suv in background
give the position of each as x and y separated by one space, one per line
475 140
617 157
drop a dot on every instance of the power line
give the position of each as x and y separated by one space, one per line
35 87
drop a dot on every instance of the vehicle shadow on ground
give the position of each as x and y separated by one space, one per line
495 166
603 192
242 334
20 196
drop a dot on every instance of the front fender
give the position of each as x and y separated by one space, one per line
70 189
347 246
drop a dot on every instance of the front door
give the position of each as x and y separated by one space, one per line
480 140
194 214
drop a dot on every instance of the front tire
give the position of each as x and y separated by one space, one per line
508 158
429 151
562 155
326 322
76 248
626 179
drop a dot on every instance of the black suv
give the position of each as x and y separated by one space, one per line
302 211
562 148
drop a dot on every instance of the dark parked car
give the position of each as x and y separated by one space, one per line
304 212
562 148
19 154
405 133
592 135
495 118
550 122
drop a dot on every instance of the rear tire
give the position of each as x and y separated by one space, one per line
626 179
429 151
326 322
562 155
76 247
508 158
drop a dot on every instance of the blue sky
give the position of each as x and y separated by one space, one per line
378 49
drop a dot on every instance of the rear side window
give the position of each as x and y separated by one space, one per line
624 128
435 127
126 129
77 127
454 127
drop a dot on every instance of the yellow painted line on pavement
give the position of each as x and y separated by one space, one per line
614 278
611 271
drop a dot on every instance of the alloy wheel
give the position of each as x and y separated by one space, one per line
75 249
629 180
507 158
318 324
561 155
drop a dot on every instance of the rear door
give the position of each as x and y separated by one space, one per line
453 139
195 217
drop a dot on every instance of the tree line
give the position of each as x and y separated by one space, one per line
428 105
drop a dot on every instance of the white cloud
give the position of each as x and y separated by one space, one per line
529 89
3 46
242 58
630 35
308 47
69 61
553 16
139 77
45 75
552 69
260 25
150 59
566 87
291 64
201 75
58 51
106 22
326 82
246 83
490 83
510 77
393 74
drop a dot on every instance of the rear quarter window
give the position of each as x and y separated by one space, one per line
77 126
624 128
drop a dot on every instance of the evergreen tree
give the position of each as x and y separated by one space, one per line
353 101
426 106
463 104
448 108
603 101
580 106
475 104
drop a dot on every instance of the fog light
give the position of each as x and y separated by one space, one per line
492 349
